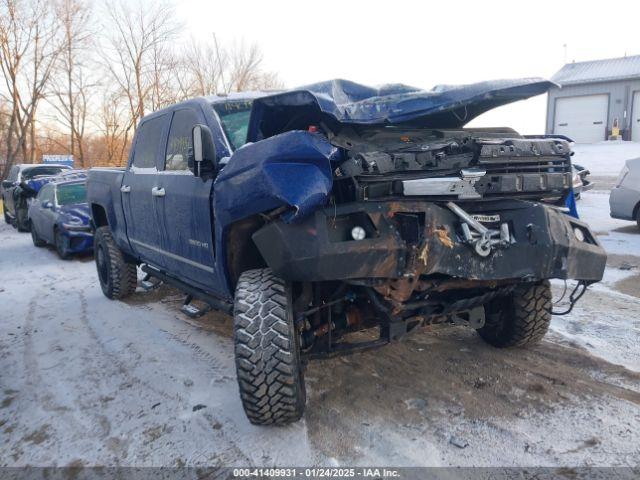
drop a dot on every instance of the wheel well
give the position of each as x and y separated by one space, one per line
242 253
635 210
99 216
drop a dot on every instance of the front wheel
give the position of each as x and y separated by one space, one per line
118 277
267 350
519 319
37 241
61 243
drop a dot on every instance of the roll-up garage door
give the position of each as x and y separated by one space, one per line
584 118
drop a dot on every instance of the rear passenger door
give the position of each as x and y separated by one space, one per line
140 191
187 229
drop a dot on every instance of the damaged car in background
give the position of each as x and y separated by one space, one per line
336 217
18 191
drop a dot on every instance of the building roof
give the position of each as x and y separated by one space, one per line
598 71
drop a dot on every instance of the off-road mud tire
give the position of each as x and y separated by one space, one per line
118 277
37 241
267 350
519 319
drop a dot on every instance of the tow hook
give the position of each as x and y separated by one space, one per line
481 238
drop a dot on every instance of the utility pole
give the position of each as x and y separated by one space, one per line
215 42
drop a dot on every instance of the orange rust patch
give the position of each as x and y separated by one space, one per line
424 254
443 236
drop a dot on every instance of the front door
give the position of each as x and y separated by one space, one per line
139 191
42 212
187 229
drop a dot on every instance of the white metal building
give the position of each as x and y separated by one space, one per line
592 96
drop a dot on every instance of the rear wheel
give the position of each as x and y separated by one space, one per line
61 243
22 218
267 350
519 319
7 218
638 216
37 241
118 277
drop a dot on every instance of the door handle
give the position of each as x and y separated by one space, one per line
157 192
125 189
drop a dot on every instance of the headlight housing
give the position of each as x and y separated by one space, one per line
75 224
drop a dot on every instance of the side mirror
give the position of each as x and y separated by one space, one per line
203 162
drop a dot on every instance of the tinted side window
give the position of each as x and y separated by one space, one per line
46 194
180 141
148 138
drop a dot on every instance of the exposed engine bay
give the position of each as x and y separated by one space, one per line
460 164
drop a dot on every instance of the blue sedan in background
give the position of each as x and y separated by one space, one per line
60 216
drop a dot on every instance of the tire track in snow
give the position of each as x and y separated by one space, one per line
226 433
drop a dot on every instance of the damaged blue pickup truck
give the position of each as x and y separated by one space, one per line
335 218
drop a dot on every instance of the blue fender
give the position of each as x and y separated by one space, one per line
291 169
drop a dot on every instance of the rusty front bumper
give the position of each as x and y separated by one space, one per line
420 239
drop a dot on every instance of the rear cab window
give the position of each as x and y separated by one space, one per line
29 173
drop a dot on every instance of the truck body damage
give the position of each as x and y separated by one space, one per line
348 211
291 169
344 102
435 200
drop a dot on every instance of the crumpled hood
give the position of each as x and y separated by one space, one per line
80 210
445 106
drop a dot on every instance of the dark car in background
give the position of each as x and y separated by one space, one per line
16 194
59 215
580 181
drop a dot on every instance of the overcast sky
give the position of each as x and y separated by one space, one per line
424 43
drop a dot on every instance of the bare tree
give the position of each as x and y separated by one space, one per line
137 50
204 65
71 86
30 45
245 69
212 69
114 124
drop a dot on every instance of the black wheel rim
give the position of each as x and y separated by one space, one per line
101 263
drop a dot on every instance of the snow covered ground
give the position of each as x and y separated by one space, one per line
88 381
605 158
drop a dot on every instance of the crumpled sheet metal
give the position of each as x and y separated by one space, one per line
292 169
444 106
